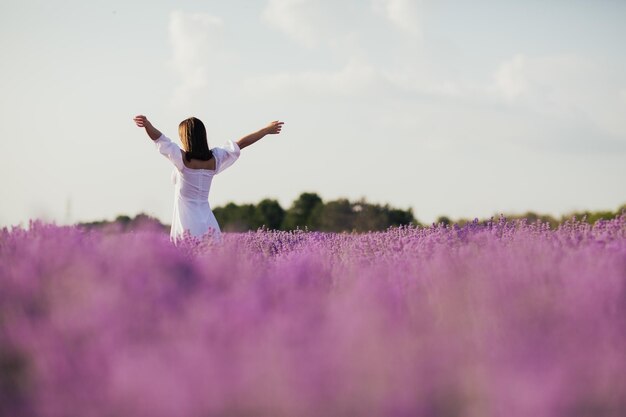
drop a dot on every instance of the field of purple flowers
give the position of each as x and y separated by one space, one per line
497 319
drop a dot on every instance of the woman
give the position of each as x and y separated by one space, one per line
196 165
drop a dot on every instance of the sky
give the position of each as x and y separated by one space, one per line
456 108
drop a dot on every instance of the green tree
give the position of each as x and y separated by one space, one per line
397 217
371 217
299 214
368 217
270 214
443 219
237 218
123 220
336 216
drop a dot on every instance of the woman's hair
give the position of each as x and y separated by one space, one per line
193 136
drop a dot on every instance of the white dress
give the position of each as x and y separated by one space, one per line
192 212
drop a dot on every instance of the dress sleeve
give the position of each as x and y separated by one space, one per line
170 150
225 155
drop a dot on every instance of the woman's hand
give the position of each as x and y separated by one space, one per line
271 129
141 121
274 127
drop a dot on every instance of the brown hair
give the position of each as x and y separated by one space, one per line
193 137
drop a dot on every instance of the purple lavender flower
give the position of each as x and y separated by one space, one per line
501 318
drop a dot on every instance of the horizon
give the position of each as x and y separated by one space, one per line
448 108
555 216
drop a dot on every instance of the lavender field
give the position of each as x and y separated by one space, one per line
496 319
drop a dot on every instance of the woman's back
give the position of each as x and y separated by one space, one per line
194 184
197 163
194 179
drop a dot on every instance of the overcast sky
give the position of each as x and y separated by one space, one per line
457 108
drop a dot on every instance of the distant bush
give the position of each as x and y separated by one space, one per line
125 223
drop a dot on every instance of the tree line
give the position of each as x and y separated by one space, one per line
310 212
531 217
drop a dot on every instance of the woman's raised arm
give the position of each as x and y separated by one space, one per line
142 121
271 129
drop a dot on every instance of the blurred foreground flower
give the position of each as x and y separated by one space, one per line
489 319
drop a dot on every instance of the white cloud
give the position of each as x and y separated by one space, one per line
550 91
510 79
353 80
404 14
194 37
314 23
306 21
569 87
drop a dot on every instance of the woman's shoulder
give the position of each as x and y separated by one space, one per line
229 148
